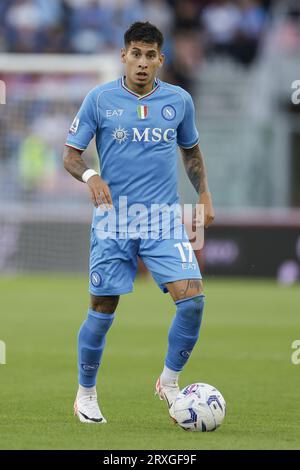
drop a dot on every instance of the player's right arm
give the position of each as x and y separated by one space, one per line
80 134
76 166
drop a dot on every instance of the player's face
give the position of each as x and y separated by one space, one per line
142 60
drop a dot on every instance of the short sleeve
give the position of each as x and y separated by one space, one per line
84 126
187 134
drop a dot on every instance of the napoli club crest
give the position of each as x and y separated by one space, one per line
95 279
168 112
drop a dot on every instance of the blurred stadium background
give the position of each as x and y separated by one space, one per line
237 58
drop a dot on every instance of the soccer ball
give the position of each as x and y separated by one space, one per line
199 407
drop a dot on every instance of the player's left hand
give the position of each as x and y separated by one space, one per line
209 213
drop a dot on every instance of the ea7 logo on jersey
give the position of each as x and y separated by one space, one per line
74 126
114 112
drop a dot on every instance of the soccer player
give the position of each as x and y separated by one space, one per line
138 121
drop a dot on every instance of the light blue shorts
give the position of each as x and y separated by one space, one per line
113 262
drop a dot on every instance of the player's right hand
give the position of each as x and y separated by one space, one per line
100 192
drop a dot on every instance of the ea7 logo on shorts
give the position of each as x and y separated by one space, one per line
74 126
95 279
114 112
191 266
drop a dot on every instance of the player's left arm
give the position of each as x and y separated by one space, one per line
195 167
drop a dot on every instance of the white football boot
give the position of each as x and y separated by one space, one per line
169 394
86 408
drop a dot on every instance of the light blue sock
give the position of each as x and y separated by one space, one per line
91 342
184 331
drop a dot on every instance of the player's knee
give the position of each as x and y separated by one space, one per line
104 304
192 309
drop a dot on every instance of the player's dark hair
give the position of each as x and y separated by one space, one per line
144 32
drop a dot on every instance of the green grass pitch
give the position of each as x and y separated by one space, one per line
244 350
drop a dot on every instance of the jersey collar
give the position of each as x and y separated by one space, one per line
156 81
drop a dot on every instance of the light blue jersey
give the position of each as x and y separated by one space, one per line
136 140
